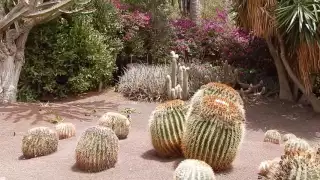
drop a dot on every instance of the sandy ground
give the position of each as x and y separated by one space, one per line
137 159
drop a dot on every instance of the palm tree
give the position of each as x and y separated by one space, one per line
291 30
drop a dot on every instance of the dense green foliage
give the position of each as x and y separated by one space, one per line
71 55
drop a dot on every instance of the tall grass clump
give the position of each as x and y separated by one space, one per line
144 82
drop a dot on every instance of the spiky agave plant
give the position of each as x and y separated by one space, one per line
193 169
213 132
97 149
166 127
119 123
39 141
65 130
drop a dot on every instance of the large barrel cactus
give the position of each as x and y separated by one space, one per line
298 167
219 90
192 169
39 141
166 128
65 130
97 149
213 132
119 123
296 146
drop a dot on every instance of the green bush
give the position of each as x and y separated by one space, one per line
70 55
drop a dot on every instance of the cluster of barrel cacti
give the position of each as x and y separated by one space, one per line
300 161
207 131
97 148
177 84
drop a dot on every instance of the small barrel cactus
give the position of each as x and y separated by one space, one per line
218 90
65 130
296 146
39 141
194 170
272 136
265 166
301 167
119 123
288 136
213 132
166 128
97 149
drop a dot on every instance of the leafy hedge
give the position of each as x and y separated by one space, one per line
71 55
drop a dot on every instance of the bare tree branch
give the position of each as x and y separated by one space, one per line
21 8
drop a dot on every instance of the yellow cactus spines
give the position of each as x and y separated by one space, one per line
65 130
39 141
288 136
302 167
296 146
194 170
166 128
119 123
213 132
272 136
97 149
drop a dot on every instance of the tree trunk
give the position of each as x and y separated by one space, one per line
195 11
314 101
11 62
285 92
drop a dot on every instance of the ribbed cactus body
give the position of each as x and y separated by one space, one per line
97 149
272 136
192 169
65 130
166 128
296 146
119 123
295 168
288 136
218 90
39 141
213 132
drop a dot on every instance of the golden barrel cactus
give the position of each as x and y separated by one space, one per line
119 123
219 90
39 141
65 130
272 136
194 170
296 146
166 128
97 149
288 136
213 132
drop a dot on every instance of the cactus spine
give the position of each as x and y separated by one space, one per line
194 170
177 84
214 130
166 127
97 149
39 141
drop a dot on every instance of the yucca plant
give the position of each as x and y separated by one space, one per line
291 26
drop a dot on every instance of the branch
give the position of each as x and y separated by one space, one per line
16 13
51 10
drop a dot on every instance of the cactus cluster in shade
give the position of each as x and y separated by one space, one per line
302 167
166 127
272 136
177 84
288 136
296 146
97 149
65 130
219 90
119 123
214 130
39 141
192 169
